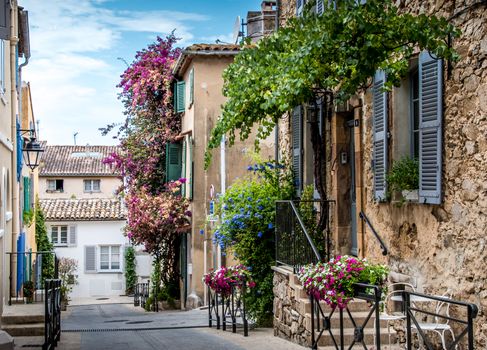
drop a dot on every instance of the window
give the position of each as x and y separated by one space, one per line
59 235
91 185
419 129
63 235
179 96
173 161
109 258
191 86
55 185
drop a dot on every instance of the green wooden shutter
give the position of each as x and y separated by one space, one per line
26 193
191 167
183 169
175 96
191 86
430 128
379 118
297 143
173 161
180 92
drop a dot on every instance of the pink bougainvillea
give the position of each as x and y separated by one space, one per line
221 280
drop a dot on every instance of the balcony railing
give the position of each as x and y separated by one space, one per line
300 241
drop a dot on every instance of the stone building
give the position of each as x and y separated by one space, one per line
439 116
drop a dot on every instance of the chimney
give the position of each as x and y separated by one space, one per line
268 6
261 23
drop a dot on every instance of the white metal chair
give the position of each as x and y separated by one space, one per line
439 325
388 314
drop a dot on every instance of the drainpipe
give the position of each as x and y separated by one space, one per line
276 129
223 185
14 110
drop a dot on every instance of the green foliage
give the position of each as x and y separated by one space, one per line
130 272
404 175
28 217
309 214
67 269
336 52
247 229
44 244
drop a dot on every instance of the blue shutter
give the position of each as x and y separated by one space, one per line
430 127
319 7
180 92
297 143
379 118
173 161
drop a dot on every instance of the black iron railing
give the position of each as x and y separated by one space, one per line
141 294
232 308
374 232
295 242
418 308
52 313
321 320
34 267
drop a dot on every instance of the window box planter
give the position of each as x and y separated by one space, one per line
410 195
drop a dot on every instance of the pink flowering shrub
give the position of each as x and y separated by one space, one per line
333 281
222 279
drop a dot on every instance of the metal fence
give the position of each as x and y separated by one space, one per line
28 271
52 316
296 244
232 308
141 294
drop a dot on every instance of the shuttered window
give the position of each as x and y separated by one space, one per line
173 161
191 167
90 258
297 143
27 196
430 72
4 19
179 96
72 236
299 7
379 117
183 167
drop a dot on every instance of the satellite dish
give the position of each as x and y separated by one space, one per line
236 30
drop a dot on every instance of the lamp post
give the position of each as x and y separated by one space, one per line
31 150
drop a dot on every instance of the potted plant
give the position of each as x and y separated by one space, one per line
28 289
404 178
335 281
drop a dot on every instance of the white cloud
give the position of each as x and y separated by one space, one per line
73 70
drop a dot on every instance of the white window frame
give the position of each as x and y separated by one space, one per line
91 183
58 242
110 257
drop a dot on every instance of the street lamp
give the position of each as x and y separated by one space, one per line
32 150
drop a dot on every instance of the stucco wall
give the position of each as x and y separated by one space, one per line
443 246
88 234
74 187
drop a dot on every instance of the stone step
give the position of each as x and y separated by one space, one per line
356 305
369 338
24 330
22 319
359 318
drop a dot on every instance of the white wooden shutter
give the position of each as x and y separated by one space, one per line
297 142
72 236
90 258
379 117
430 128
300 7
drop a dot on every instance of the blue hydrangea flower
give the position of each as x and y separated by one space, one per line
202 232
260 207
271 225
249 168
259 234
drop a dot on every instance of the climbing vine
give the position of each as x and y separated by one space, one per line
334 53
157 214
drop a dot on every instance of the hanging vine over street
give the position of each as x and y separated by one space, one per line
157 214
334 53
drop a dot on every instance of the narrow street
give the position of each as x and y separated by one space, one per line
123 326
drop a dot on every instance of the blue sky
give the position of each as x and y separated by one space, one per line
76 44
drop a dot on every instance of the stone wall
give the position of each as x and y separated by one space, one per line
443 247
290 322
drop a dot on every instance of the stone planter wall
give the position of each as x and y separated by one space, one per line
290 308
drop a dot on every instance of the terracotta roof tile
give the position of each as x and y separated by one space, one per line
213 47
76 160
100 209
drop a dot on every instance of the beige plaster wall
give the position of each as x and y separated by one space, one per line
199 119
74 187
443 246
